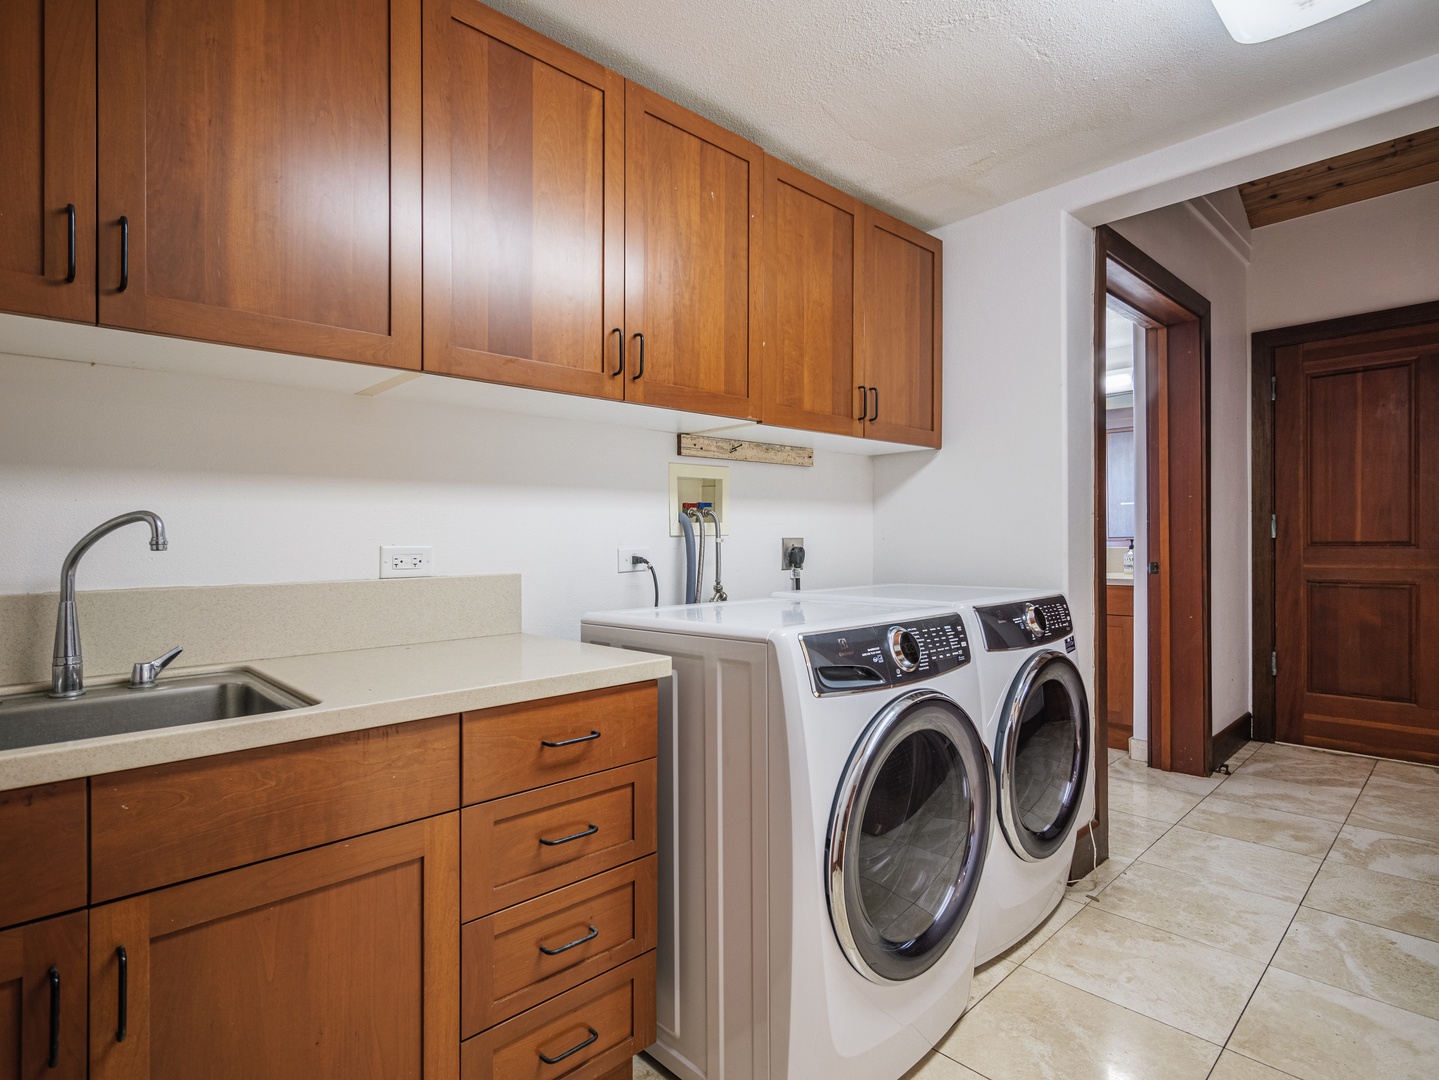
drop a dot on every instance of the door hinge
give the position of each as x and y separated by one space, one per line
1274 665
1274 388
1273 526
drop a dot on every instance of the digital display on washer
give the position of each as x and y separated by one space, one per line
890 654
1026 623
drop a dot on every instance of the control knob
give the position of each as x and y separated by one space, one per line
1035 622
903 649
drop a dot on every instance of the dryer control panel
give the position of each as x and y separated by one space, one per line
1025 623
870 657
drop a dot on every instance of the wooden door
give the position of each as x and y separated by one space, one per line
259 165
524 206
340 961
1356 477
900 347
43 977
809 313
1119 664
47 127
692 200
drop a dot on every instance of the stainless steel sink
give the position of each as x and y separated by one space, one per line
38 719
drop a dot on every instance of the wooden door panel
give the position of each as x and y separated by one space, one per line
901 336
1357 553
524 205
47 127
339 961
810 311
43 969
692 197
267 158
44 848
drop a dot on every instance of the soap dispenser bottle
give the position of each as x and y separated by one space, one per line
1129 559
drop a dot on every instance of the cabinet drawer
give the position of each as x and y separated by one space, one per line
168 823
504 969
42 851
512 748
617 1008
517 848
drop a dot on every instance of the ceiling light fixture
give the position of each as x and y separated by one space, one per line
1251 21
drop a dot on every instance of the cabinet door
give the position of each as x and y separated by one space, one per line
810 308
524 206
259 166
47 127
901 341
43 975
692 199
340 961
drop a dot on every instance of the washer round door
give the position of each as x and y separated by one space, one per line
1041 754
908 837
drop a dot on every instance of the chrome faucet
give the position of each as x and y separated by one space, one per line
66 670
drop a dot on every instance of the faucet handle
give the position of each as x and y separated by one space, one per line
143 676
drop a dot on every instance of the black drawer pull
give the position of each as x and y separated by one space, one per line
124 253
641 371
874 412
863 401
53 1058
124 1003
621 369
70 258
570 742
573 836
566 948
572 1050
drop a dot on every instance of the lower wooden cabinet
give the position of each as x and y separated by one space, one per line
43 976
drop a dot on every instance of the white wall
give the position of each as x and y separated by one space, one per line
1368 256
262 483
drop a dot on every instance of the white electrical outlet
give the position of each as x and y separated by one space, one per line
624 560
406 561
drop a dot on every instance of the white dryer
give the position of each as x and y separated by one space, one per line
1038 731
825 816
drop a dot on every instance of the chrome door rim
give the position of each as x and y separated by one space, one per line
1040 668
853 793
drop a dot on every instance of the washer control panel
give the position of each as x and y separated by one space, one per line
871 657
1025 623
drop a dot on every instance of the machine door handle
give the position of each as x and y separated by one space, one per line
578 941
573 836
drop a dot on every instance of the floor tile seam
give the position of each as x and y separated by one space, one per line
1366 922
951 1057
1256 892
1349 989
1209 944
1257 1061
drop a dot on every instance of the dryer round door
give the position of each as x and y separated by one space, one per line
908 837
1041 754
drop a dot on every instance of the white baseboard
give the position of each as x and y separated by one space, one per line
1139 749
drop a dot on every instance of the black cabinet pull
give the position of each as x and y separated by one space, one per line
566 948
874 412
123 1001
621 369
70 245
641 371
124 253
863 401
53 1058
572 1050
573 836
571 742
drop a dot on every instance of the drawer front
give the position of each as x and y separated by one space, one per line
512 748
617 1009
168 823
42 851
588 928
519 847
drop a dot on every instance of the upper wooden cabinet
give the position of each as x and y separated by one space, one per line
524 206
692 195
810 314
47 127
900 340
259 173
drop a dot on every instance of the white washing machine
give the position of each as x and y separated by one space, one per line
825 816
1037 729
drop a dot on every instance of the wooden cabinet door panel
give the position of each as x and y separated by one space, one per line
809 312
692 199
341 961
901 335
43 978
266 155
47 127
524 206
43 851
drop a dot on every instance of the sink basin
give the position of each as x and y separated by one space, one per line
37 719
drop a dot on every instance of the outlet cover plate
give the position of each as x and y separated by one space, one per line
410 561
624 564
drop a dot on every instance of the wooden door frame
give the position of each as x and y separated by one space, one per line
1177 320
1263 346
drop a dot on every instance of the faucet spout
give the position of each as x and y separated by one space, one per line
66 669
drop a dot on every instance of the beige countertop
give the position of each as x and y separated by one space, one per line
1120 579
354 689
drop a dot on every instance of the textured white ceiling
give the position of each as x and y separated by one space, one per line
938 109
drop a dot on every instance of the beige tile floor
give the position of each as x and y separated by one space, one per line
1280 923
